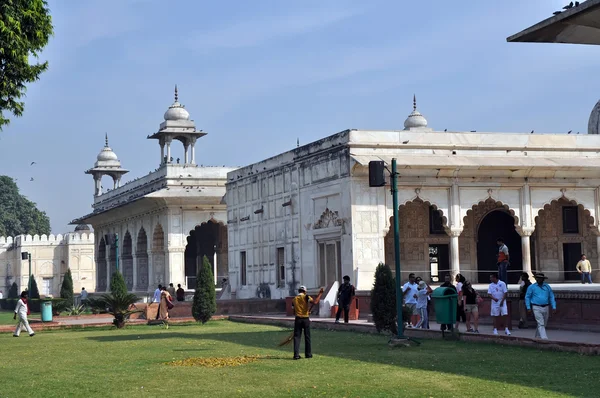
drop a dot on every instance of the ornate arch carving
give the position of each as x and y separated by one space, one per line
328 219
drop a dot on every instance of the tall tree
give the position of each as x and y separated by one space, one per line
13 292
25 27
205 297
383 300
66 289
117 284
34 293
19 215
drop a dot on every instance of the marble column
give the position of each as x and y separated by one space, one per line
98 182
168 151
185 154
135 270
454 253
526 250
108 265
193 151
162 152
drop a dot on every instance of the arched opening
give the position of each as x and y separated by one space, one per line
208 239
563 231
424 243
101 266
141 256
158 255
498 223
127 259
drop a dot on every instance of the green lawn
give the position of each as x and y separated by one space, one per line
132 362
6 318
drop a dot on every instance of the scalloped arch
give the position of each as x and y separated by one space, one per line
499 205
566 201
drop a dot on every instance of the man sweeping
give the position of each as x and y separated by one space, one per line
302 322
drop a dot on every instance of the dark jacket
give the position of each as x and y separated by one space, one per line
523 289
345 293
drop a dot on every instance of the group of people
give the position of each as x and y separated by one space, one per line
163 295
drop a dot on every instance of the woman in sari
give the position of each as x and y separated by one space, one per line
164 305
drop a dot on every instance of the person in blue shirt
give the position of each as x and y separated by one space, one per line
539 299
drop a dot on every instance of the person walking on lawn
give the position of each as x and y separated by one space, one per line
345 294
302 321
22 310
538 299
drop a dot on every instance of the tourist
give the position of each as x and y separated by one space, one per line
171 290
22 310
180 293
409 290
447 283
471 300
460 309
538 298
523 286
345 294
502 260
422 295
156 297
499 309
585 269
302 321
84 295
1 295
418 280
166 303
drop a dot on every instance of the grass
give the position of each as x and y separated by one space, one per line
6 318
132 362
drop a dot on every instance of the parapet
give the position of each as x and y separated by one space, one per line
48 239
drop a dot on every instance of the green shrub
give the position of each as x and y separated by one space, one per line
383 300
204 305
34 293
66 289
120 306
117 284
13 292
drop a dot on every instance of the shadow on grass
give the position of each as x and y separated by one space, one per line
512 365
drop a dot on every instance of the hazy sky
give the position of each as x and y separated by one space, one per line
257 75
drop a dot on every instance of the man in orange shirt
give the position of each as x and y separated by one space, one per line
302 322
503 260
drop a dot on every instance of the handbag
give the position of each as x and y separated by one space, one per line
170 304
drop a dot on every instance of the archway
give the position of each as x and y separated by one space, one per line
101 266
112 261
158 255
127 259
141 256
498 223
424 243
207 239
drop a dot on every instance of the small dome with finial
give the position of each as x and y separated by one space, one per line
176 111
415 119
107 157
594 121
82 228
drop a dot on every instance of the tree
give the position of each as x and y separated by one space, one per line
13 292
383 300
117 284
205 297
25 27
66 289
120 306
19 215
34 293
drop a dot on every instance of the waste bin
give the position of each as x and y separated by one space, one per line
47 311
445 303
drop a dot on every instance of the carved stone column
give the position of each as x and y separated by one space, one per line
454 252
135 271
526 249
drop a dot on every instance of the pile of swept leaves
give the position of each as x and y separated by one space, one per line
218 362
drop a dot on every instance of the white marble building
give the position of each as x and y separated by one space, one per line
308 216
167 220
51 256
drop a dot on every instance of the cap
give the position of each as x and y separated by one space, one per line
303 288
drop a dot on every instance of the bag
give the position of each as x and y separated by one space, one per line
169 304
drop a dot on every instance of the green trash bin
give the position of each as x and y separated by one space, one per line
446 300
47 311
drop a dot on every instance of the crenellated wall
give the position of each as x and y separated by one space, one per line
51 256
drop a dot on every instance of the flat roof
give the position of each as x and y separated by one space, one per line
577 25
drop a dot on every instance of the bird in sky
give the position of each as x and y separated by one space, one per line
32 163
31 179
569 132
531 132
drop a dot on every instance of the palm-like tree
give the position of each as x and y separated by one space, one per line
119 305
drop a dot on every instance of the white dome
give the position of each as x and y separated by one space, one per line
415 119
594 122
107 154
177 112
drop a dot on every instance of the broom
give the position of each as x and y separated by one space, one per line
290 338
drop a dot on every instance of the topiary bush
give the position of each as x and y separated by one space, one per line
13 292
117 284
204 304
383 300
66 289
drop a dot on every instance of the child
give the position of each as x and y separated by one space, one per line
22 309
422 296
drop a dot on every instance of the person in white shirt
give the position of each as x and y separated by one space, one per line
409 290
22 310
1 295
422 296
499 310
156 297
